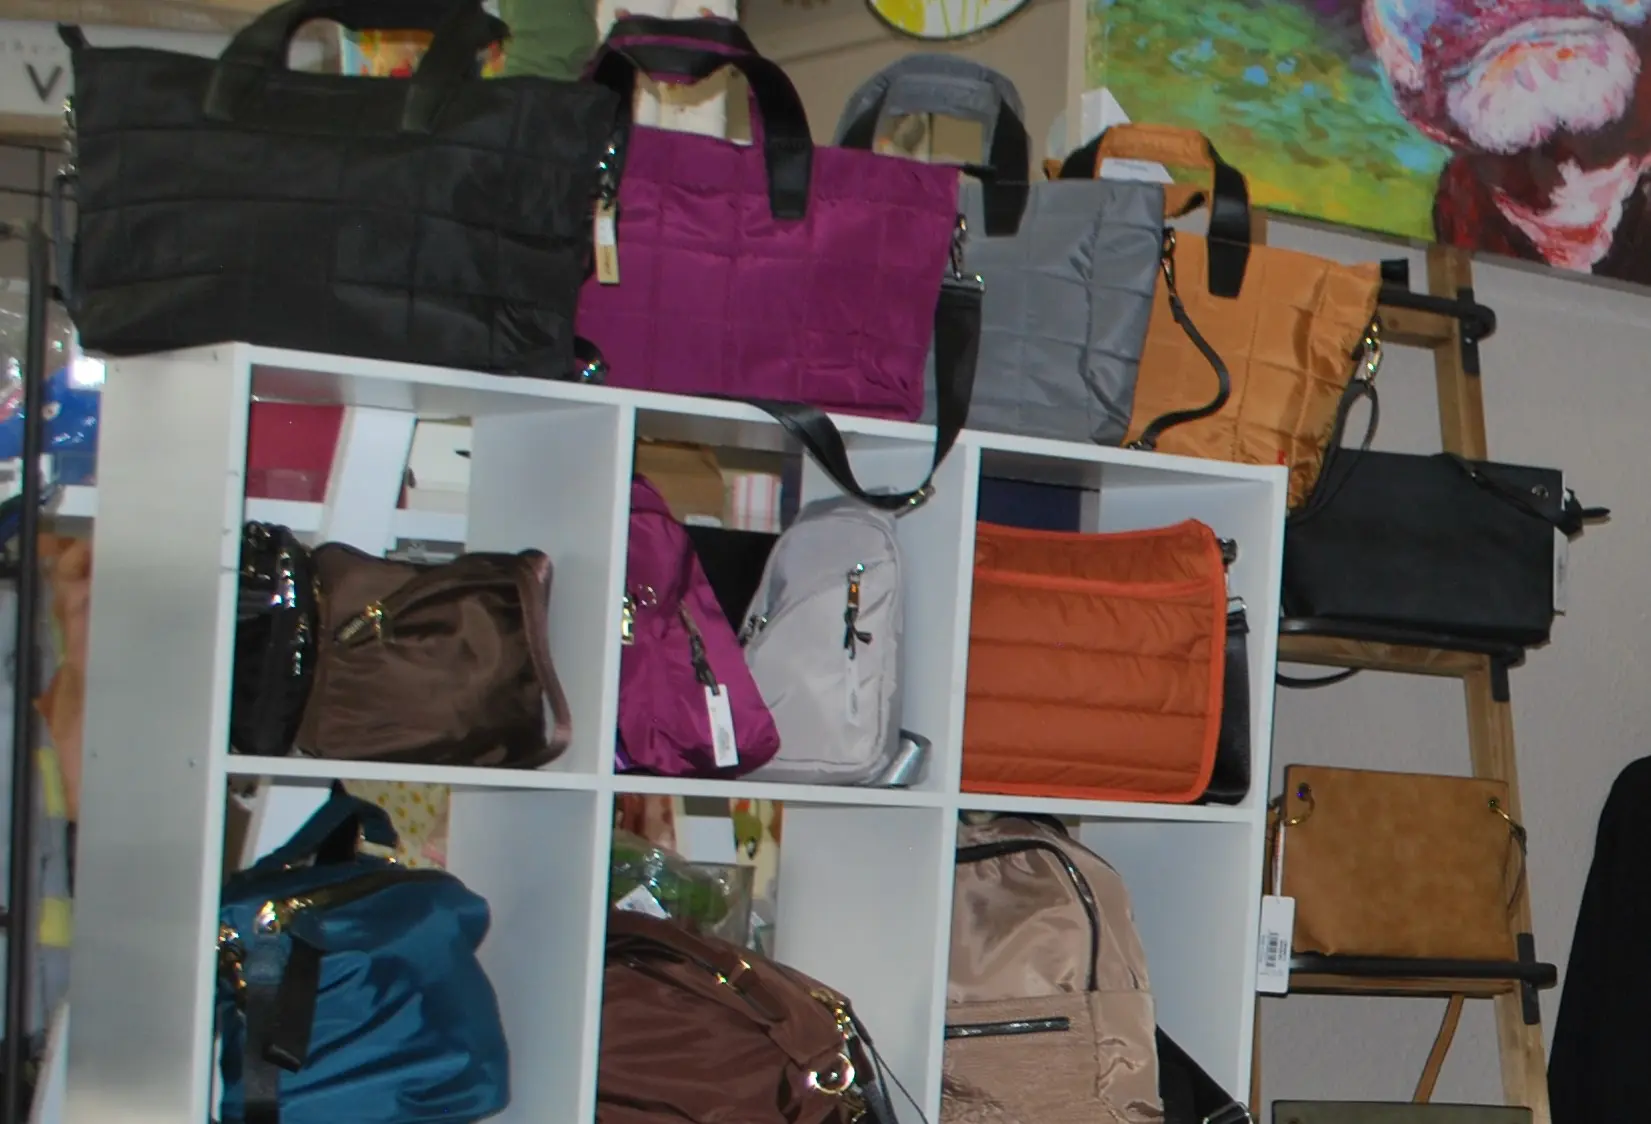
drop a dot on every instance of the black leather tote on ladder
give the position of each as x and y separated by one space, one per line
1438 547
438 219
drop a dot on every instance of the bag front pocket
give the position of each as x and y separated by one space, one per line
1057 1059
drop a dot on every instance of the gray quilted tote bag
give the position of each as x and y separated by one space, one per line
1070 266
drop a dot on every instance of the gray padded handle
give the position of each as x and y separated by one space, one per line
931 83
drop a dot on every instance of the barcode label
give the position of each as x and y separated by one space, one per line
1272 954
1278 922
724 747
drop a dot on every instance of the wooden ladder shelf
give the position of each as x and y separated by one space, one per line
1484 676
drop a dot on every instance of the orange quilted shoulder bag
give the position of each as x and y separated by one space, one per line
1095 663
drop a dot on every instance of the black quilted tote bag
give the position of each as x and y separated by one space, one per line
440 219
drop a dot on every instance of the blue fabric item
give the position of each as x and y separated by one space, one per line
406 1024
71 418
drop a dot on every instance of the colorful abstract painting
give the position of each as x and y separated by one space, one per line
1518 127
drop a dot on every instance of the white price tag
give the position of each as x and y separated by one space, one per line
640 901
1278 926
723 745
1562 558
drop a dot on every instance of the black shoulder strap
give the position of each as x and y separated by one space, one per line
956 349
1192 1096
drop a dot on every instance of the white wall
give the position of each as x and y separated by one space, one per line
1565 386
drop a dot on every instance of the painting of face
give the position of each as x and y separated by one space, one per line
1519 127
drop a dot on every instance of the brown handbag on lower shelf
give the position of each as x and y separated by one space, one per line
698 1031
438 665
1405 865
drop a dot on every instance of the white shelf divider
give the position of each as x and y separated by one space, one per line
865 874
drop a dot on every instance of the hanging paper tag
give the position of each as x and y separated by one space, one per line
640 901
1278 925
851 694
723 745
607 245
1562 556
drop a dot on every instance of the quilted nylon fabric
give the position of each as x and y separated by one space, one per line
1288 341
313 222
716 296
1095 663
1068 300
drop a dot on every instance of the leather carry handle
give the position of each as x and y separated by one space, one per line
1229 231
331 835
780 124
461 29
1008 163
956 349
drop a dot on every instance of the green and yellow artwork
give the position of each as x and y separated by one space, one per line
1289 94
1514 127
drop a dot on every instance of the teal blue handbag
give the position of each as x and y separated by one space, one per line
349 988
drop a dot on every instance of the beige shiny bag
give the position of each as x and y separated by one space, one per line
1049 1017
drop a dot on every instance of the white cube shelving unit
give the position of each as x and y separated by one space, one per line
866 874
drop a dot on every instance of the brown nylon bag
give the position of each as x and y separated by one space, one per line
440 665
1096 663
1291 333
1398 864
1049 1013
697 1031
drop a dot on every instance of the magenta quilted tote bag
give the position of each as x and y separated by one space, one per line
796 277
688 705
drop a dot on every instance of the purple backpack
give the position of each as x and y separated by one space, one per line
688 706
780 273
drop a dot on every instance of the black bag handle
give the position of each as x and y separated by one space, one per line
1229 230
956 348
330 835
1009 161
461 30
697 49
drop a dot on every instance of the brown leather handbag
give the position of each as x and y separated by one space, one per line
1398 864
1289 326
698 1031
439 665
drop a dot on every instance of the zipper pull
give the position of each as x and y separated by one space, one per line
696 650
627 621
754 625
605 231
371 623
231 960
851 615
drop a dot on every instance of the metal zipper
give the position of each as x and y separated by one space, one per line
852 634
980 852
696 650
1052 1025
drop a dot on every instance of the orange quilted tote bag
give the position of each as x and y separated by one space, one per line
1095 663
1291 327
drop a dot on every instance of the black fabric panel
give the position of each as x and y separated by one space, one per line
1412 542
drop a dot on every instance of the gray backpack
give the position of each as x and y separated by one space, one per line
822 640
1070 265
